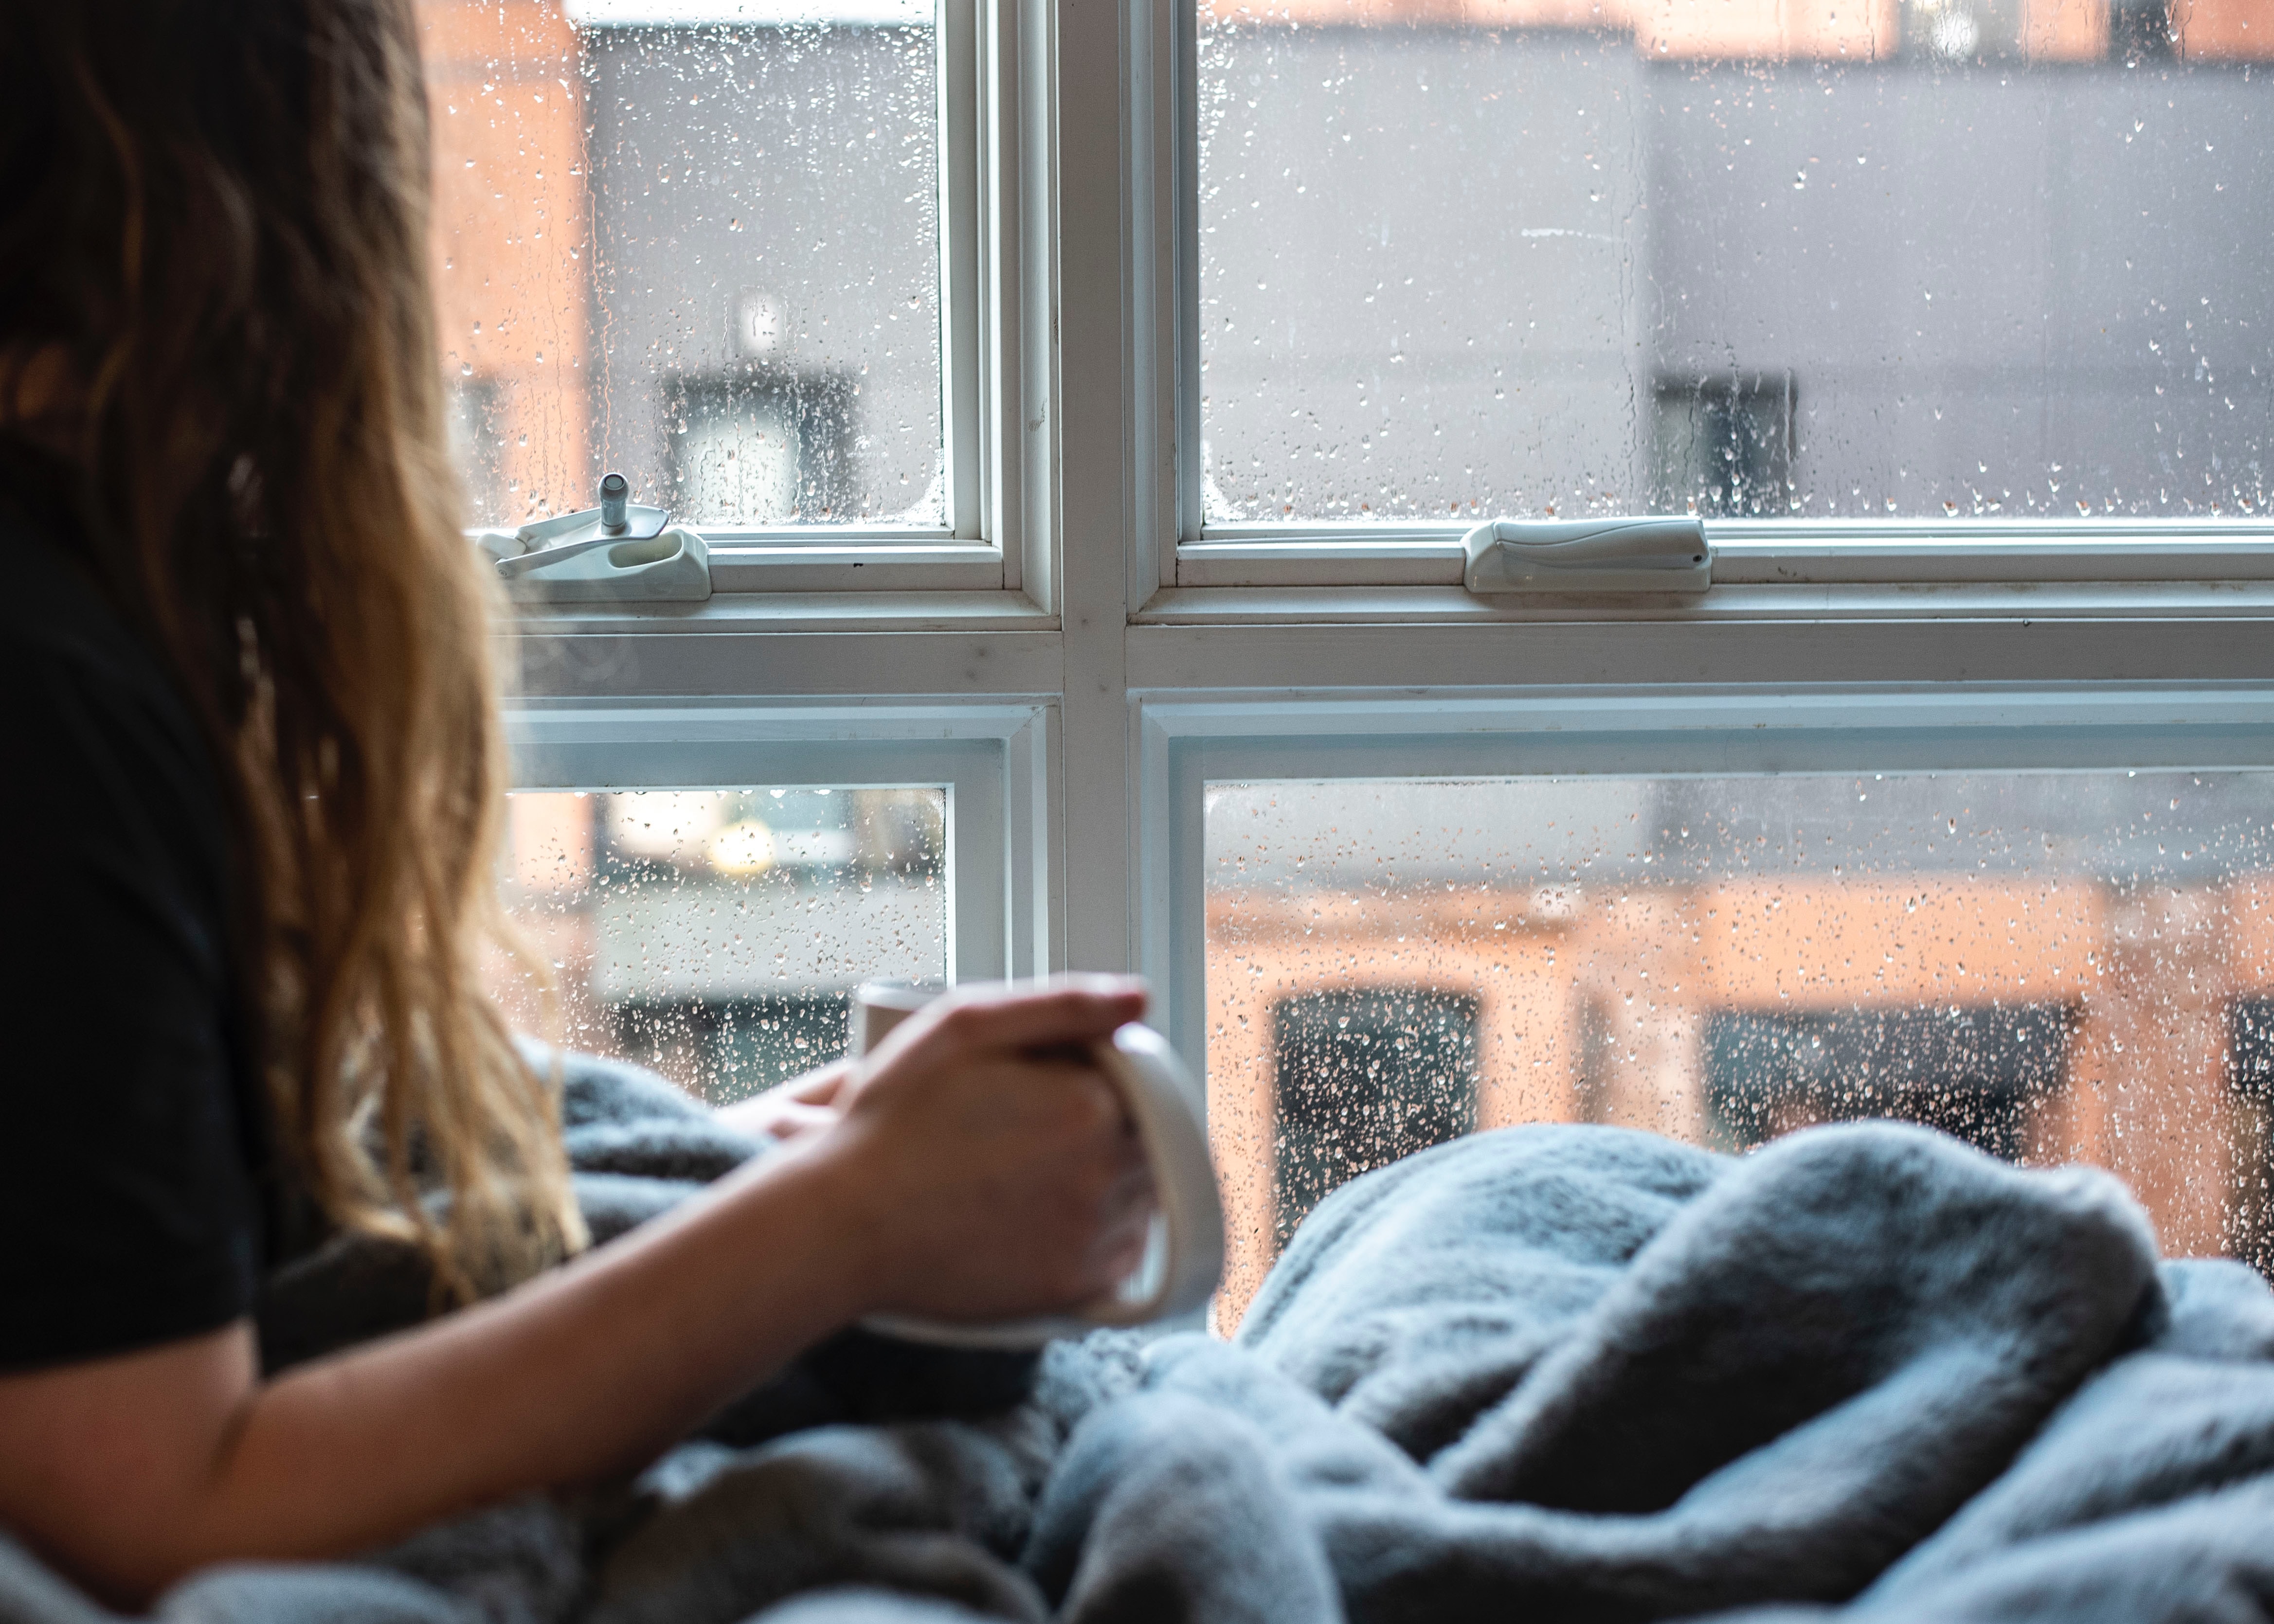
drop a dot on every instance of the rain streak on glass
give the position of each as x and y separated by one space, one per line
717 935
2054 966
1984 259
697 241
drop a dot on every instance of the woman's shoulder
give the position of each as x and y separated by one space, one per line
95 722
57 628
114 824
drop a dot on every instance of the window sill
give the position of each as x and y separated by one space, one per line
1764 552
762 566
731 611
1733 604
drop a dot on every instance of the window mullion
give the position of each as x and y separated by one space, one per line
1100 215
961 333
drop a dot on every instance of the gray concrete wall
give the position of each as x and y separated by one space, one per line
1451 272
1992 287
1441 266
787 178
1424 265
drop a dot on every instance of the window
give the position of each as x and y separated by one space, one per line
1724 445
666 221
1947 258
1365 1077
717 935
2052 966
765 213
1973 1070
1229 319
763 448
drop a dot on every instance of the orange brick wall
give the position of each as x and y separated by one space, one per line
2152 975
512 230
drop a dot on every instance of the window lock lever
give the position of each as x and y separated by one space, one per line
620 552
1666 554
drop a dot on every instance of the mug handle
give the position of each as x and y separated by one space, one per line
1184 1255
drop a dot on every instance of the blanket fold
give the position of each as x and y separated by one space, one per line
1556 1372
1769 1390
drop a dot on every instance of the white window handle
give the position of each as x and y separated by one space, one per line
1589 555
619 552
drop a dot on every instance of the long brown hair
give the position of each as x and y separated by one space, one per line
215 227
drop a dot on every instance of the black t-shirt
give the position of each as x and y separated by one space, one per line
131 1133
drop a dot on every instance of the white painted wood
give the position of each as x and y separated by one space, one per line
1156 289
1438 607
1826 554
1033 841
967 754
963 328
2083 531
1077 676
1095 507
1016 273
1183 150
882 664
1873 554
789 612
1645 655
1314 640
1028 298
1320 562
1167 885
862 567
1737 724
1189 745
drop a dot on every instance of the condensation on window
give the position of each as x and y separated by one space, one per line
695 241
716 934
2055 967
1979 258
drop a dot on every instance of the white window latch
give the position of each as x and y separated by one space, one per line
617 553
1588 555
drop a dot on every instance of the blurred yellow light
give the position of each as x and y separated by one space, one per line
743 848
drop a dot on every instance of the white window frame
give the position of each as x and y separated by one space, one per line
988 760
1116 635
994 314
1194 554
1188 744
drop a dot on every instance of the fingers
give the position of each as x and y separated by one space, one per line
1119 1245
1063 1104
988 1111
1077 1011
820 1087
791 1109
793 1120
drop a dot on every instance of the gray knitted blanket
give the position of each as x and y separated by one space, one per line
1545 1373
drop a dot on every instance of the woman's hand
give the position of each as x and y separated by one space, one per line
791 1110
993 1169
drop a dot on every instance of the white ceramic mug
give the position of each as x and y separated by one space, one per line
1184 1255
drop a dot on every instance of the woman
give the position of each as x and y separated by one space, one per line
255 791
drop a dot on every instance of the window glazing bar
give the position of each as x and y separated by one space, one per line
1768 552
956 31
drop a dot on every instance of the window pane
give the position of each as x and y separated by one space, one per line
1853 258
697 241
717 935
2055 967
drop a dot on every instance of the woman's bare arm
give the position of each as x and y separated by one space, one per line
967 1177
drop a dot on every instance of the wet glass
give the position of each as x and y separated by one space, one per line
695 241
2056 966
717 935
1823 258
